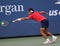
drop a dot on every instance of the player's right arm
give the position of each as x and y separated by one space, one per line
20 19
24 18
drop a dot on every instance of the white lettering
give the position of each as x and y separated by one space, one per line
8 9
20 8
59 12
14 8
1 8
53 12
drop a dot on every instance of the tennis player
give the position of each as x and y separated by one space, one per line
37 16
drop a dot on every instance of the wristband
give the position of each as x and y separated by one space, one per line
19 19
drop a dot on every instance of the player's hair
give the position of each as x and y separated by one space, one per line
30 9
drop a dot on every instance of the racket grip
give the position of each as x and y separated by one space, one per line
13 21
19 19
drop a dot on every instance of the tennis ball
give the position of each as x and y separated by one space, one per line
2 23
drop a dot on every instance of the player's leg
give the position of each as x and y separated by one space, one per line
42 32
47 32
44 24
50 34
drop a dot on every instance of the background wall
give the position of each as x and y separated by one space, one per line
9 11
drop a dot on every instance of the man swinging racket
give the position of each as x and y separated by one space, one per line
37 16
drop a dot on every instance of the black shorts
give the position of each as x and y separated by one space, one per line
44 23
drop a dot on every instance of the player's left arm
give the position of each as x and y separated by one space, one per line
43 12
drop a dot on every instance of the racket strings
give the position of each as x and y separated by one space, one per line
4 23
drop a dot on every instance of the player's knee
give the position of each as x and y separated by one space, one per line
42 29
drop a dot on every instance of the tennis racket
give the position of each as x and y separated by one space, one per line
5 23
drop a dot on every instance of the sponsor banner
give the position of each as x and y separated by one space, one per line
12 9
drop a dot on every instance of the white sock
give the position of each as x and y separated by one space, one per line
53 36
48 39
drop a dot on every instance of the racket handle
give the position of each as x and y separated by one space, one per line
19 19
13 21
